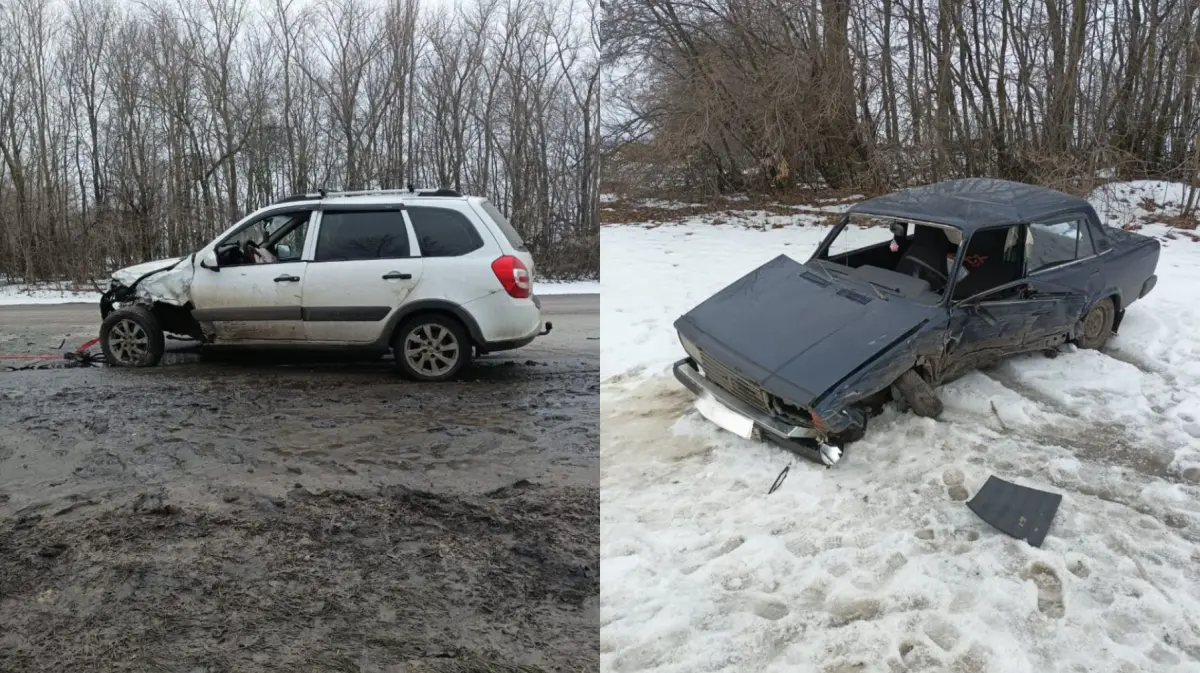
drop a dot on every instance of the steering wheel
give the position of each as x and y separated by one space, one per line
945 280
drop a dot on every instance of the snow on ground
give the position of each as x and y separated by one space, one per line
1121 203
664 204
23 294
877 564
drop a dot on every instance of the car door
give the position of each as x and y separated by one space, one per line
362 271
985 330
244 301
1063 272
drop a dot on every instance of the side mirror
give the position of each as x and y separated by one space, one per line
283 252
209 261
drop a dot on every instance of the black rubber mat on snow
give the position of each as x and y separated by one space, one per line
1022 512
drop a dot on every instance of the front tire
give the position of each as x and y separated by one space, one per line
1096 326
432 348
132 337
918 394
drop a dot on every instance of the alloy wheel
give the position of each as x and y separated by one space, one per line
128 341
431 349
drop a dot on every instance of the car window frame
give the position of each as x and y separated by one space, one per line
1072 216
311 251
420 252
287 210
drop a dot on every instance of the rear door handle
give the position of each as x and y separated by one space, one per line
393 275
287 279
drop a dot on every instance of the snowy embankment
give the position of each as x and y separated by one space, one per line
40 294
878 565
24 294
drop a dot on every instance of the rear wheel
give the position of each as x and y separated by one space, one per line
1096 326
918 394
132 337
431 347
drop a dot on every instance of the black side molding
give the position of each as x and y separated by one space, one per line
345 313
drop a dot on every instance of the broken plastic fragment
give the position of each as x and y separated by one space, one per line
1022 512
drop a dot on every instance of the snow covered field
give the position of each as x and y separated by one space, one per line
877 564
23 294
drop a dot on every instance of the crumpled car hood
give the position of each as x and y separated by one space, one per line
170 287
130 274
794 332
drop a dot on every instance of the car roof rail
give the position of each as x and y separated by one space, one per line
323 194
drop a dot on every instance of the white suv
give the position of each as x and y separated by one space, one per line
433 276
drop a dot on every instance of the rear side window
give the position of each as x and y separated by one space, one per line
444 233
361 234
514 239
1053 244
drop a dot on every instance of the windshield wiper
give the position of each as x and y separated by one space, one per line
828 275
875 286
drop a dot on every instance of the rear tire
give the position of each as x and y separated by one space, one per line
919 395
431 347
131 337
1097 325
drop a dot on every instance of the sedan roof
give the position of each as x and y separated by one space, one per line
972 203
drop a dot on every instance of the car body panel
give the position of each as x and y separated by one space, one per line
247 302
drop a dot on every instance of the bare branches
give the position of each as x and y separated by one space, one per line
768 94
130 132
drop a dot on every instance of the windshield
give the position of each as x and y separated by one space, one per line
892 257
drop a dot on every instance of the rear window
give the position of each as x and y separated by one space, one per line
444 233
361 234
514 239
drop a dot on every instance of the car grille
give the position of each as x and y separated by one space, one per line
735 384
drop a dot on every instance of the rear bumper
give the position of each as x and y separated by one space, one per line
689 375
543 329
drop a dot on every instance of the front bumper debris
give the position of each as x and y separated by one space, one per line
733 415
689 375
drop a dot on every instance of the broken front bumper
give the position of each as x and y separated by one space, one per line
731 413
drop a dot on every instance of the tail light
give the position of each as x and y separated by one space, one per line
513 276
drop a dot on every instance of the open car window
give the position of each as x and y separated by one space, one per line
278 238
994 257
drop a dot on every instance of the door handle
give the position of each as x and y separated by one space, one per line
287 279
393 275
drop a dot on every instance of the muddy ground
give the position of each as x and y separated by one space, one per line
246 513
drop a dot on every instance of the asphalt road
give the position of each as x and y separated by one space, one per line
265 513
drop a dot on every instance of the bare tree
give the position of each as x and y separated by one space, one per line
875 93
130 132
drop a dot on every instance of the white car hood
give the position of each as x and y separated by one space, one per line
170 287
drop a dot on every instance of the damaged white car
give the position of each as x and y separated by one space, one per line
434 277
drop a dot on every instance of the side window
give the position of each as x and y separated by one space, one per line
274 238
361 234
444 233
514 238
1057 243
289 245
